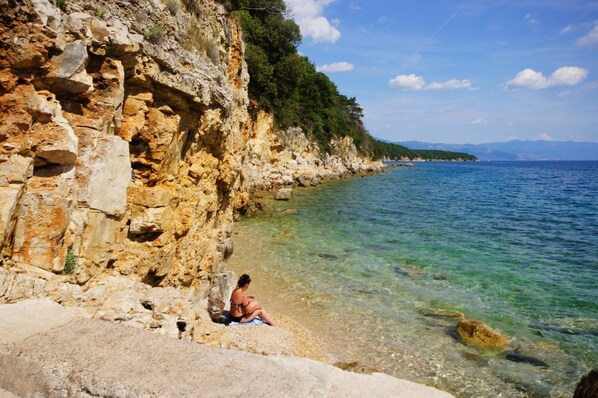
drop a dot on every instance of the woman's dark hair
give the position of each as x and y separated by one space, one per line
587 386
244 280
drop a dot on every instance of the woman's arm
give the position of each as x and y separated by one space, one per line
244 303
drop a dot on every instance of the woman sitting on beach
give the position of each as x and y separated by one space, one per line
244 307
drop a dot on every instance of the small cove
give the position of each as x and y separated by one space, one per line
365 262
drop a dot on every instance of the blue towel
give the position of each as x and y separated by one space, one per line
256 321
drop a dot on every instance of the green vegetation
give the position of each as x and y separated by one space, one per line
100 12
443 155
70 262
172 6
287 84
60 3
194 39
155 33
394 152
193 6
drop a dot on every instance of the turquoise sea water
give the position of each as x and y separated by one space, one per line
367 261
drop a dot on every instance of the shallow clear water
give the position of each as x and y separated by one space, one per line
515 244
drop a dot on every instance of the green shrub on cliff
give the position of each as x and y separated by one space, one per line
155 33
287 84
70 262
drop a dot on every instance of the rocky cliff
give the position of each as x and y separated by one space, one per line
126 146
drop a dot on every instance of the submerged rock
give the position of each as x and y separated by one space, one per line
433 312
478 333
540 327
287 234
409 270
328 256
516 356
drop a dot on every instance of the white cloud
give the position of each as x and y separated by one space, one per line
565 76
545 137
452 84
591 85
308 15
336 67
413 82
591 39
569 29
532 20
568 76
479 121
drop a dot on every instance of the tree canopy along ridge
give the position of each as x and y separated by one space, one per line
288 85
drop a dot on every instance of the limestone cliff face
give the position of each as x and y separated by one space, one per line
121 148
279 158
125 147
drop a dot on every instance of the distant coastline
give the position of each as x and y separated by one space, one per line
518 150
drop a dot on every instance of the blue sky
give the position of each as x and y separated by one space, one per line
460 71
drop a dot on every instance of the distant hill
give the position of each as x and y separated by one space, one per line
518 150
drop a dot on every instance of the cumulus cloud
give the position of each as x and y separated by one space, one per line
336 67
565 76
479 121
591 39
413 82
308 15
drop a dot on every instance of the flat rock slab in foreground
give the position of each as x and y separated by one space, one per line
46 351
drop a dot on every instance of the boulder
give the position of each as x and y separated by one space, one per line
68 74
283 194
478 333
304 181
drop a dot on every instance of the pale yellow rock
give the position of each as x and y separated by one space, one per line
478 333
111 168
16 170
149 196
